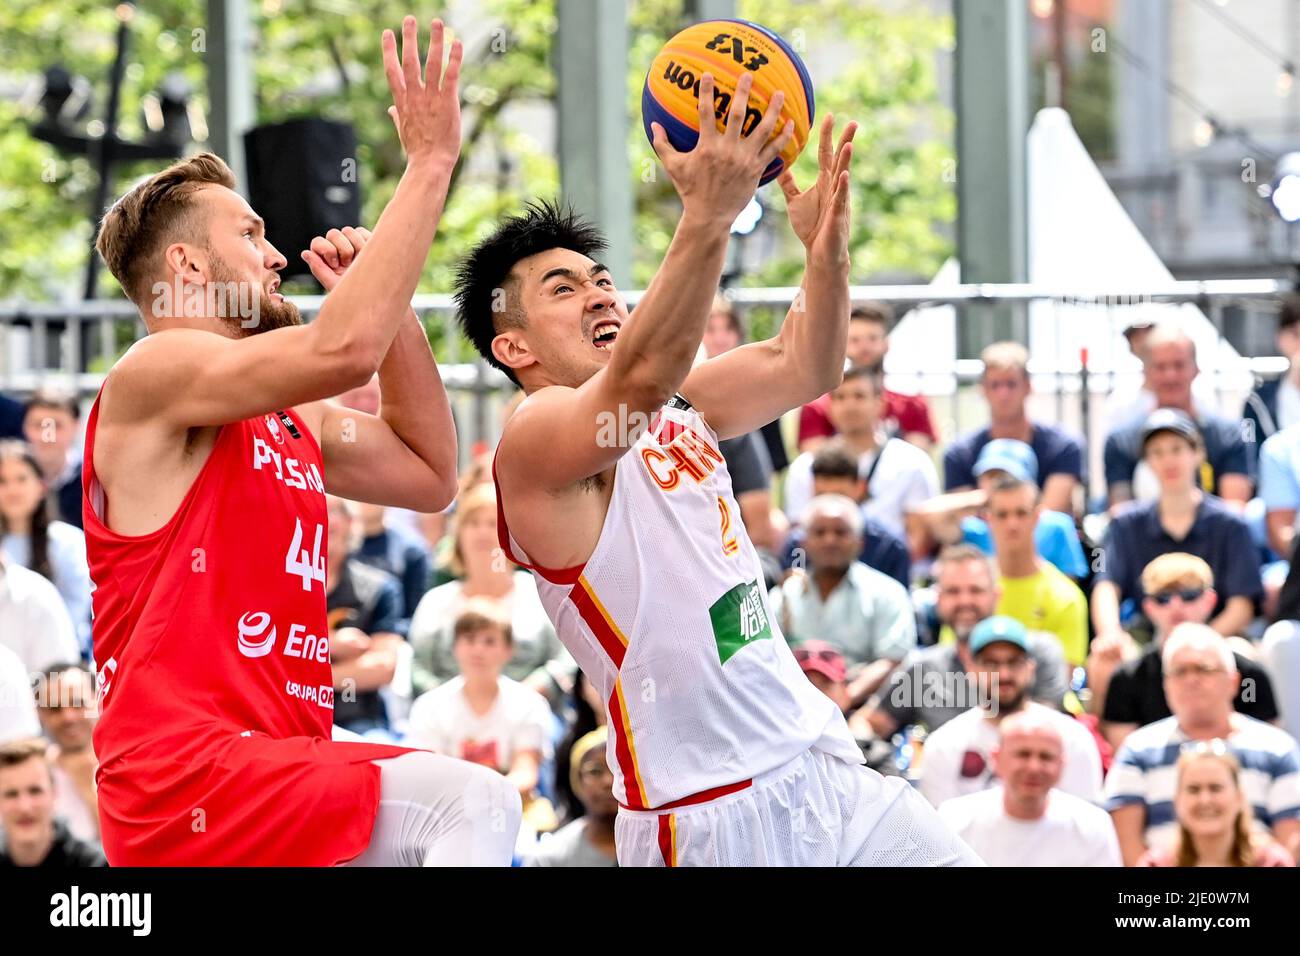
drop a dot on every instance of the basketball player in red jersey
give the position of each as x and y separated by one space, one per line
208 454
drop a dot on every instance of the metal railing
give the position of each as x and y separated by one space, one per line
53 342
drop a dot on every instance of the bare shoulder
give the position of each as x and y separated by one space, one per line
155 363
557 527
524 440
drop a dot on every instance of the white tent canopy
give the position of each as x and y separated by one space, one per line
1080 240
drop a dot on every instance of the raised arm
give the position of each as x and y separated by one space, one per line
750 386
413 434
190 378
559 435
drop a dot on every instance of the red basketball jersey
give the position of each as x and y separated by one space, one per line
215 687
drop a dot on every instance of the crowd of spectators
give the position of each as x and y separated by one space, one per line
1132 699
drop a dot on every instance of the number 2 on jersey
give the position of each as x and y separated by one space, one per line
729 544
297 562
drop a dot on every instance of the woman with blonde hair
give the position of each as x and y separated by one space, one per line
1215 823
481 569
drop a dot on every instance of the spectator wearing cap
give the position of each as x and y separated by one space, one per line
52 427
835 472
907 416
587 840
864 613
1201 682
1130 693
1005 384
1225 469
899 476
824 667
937 683
958 757
1183 518
1025 820
1034 591
961 515
1274 405
34 836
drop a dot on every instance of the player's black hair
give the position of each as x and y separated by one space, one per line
482 299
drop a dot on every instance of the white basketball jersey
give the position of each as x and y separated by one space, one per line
670 621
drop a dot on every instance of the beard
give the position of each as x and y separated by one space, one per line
252 314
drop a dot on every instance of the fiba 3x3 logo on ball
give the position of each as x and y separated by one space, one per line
728 49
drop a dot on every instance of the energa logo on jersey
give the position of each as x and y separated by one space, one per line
251 627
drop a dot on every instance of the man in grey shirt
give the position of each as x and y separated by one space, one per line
935 684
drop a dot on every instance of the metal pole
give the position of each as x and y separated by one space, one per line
992 119
591 73
230 83
103 151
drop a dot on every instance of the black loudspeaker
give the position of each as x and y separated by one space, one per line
303 180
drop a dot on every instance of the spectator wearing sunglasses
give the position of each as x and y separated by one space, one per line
1201 682
958 757
1129 693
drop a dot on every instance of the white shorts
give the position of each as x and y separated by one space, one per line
816 810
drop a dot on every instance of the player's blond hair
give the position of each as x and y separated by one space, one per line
156 213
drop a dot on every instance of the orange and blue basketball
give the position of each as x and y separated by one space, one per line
727 49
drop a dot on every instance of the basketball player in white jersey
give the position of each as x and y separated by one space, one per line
613 492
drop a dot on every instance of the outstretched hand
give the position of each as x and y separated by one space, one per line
426 108
717 179
819 215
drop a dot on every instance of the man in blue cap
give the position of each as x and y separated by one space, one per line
958 757
960 515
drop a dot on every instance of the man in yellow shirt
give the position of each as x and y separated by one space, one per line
1034 592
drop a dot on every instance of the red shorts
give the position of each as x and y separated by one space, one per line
241 801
